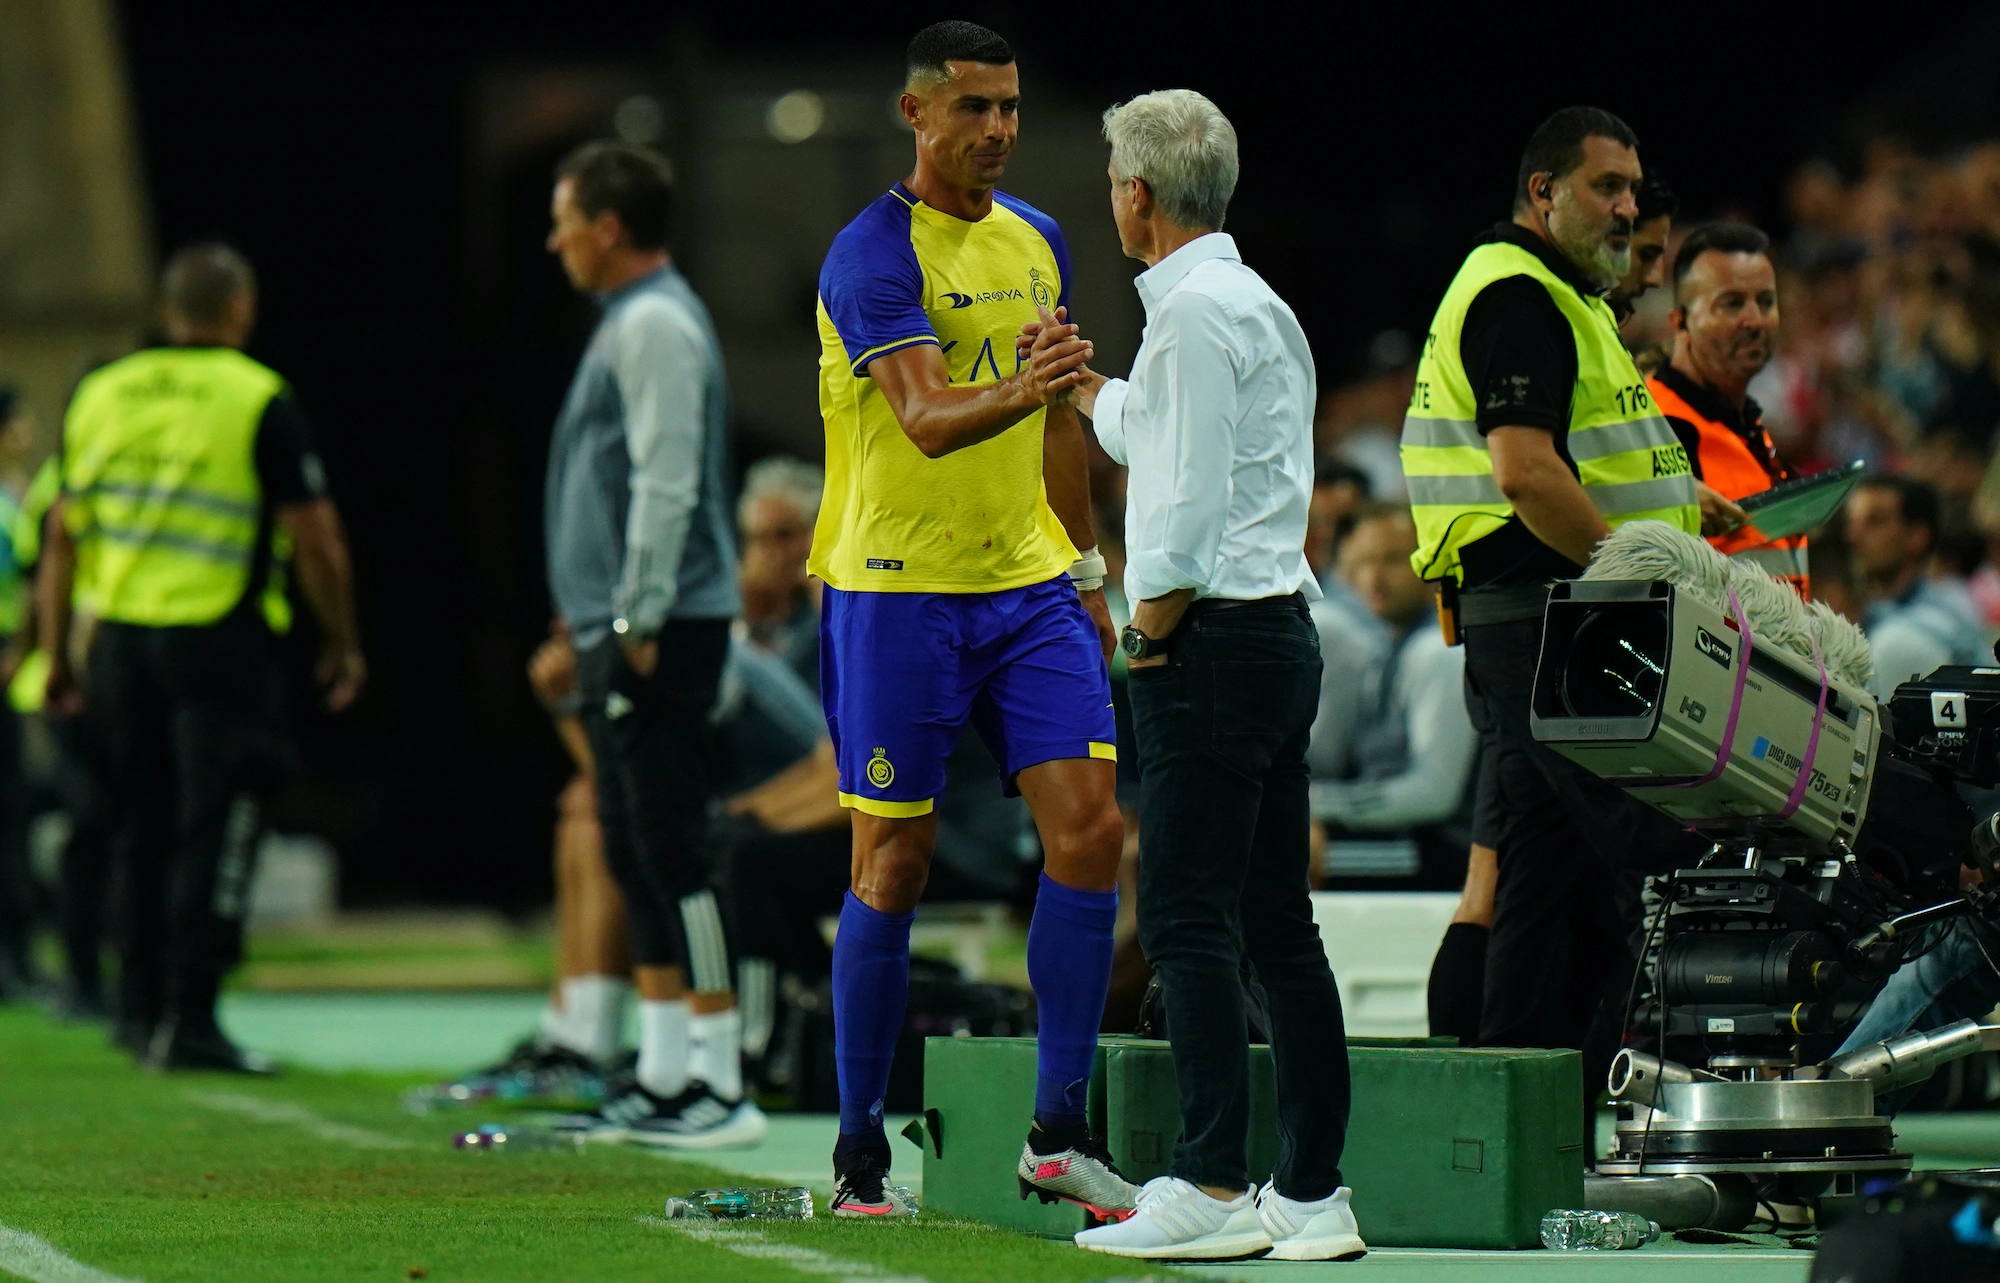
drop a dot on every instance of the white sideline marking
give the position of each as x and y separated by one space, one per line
36 1259
283 1111
756 1246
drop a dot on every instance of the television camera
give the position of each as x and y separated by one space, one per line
1839 834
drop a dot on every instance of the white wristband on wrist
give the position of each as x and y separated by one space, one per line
1086 573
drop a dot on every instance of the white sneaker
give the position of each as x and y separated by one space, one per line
1322 1231
702 1121
1177 1222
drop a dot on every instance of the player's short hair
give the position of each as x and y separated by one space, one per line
782 477
636 183
1721 238
943 43
1917 502
1337 471
1556 146
1185 149
1655 199
199 282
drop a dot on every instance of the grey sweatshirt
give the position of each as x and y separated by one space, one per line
638 511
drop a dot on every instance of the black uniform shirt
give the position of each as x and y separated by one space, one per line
1520 356
288 465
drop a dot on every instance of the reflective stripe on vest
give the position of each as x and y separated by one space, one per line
1729 467
1626 454
160 483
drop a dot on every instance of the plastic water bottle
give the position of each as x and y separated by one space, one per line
791 1203
1573 1230
503 1138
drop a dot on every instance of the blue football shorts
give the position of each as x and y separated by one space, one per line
901 672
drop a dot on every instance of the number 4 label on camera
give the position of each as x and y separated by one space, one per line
1948 709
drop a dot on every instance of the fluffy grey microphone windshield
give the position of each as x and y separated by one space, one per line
1651 550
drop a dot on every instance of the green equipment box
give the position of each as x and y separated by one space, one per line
979 1094
1445 1147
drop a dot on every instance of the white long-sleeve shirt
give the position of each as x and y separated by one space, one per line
1216 425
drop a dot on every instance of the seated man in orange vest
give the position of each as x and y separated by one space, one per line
1725 321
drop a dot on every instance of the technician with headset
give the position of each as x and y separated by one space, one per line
1530 435
1725 321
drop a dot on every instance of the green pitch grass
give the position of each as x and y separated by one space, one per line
314 1176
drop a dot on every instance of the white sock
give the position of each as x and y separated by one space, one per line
663 1047
717 1039
554 1027
757 999
594 1015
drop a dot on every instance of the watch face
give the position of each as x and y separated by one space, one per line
1134 643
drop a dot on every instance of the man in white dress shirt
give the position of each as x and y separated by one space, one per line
1216 425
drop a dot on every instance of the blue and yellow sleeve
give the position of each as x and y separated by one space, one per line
873 287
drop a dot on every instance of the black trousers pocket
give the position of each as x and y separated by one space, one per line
1256 707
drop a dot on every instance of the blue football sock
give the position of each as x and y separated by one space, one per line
1069 964
871 986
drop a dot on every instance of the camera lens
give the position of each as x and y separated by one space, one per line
1617 662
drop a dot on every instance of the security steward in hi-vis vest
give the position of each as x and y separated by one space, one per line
1530 434
1725 321
180 466
1627 457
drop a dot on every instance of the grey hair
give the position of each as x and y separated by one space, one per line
783 477
1185 149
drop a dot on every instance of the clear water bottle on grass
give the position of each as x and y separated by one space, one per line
1575 1230
792 1203
502 1138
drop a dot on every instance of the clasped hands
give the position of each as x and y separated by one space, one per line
1052 354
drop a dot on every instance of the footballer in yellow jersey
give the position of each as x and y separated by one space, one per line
948 596
948 561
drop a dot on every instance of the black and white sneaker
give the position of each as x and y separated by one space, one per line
861 1187
697 1119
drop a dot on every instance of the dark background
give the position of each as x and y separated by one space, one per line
406 294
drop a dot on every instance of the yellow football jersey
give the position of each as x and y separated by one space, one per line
978 519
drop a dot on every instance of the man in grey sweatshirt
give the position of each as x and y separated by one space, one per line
642 567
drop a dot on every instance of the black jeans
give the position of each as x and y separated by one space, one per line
1223 833
82 790
656 763
1573 853
193 735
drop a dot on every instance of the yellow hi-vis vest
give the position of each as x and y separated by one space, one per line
1631 464
160 482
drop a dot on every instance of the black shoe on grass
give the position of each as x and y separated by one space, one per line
179 1046
75 1004
133 1037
